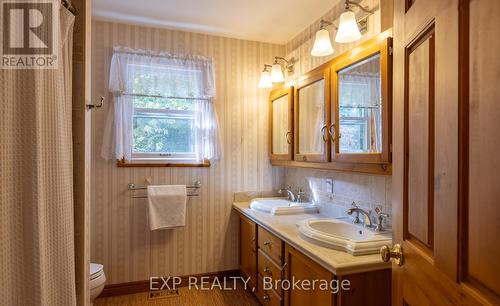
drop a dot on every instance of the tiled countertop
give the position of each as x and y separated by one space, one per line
284 227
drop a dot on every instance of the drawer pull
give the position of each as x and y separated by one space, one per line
267 270
253 238
268 243
266 297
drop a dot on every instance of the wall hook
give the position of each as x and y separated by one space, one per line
91 106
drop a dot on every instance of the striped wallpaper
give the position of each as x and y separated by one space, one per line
121 239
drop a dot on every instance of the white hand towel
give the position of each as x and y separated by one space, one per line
167 206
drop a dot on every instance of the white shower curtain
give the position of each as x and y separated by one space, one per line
36 182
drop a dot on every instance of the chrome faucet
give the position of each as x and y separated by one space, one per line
289 193
367 220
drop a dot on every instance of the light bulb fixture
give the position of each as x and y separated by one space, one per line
322 43
277 75
265 78
348 27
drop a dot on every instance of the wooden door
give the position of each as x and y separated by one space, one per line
248 249
300 267
445 154
312 117
281 124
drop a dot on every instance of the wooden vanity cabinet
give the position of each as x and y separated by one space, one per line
248 249
281 124
264 255
312 117
300 267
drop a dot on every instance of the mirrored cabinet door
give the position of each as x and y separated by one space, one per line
359 131
281 124
312 117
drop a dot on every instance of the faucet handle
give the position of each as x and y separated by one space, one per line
381 217
353 204
300 195
378 211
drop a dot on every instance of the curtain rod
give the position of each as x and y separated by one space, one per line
127 50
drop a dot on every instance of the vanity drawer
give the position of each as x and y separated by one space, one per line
271 245
267 268
267 297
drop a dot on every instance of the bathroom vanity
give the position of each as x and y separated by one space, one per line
272 248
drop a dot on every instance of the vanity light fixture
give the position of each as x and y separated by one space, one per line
348 27
322 43
348 30
276 74
265 78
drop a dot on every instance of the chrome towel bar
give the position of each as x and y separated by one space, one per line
193 190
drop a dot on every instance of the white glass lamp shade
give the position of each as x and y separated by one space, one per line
277 74
348 28
265 80
322 44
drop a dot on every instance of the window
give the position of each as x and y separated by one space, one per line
163 109
163 127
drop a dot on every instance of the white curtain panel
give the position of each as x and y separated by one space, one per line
37 262
147 73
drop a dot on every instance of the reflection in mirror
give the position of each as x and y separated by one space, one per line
360 107
311 118
280 125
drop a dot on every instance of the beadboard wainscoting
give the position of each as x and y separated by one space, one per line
121 239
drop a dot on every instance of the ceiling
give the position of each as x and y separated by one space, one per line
275 21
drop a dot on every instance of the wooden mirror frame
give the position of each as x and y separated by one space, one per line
309 79
275 95
358 54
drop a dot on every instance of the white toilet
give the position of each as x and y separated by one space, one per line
97 280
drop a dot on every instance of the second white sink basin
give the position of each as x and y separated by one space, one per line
344 236
280 206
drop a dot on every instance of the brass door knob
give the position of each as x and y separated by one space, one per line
395 252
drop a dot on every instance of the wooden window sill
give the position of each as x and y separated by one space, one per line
124 164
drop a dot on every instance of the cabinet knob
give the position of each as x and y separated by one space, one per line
323 134
331 131
253 238
267 270
268 243
287 136
266 297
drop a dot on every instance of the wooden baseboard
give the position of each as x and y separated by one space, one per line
143 286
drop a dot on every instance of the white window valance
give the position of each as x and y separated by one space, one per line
155 75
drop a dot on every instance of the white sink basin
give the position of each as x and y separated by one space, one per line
280 206
340 235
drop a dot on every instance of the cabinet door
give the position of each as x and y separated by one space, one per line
360 128
248 249
300 267
312 117
281 124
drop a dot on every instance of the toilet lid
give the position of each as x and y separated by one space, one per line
95 270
